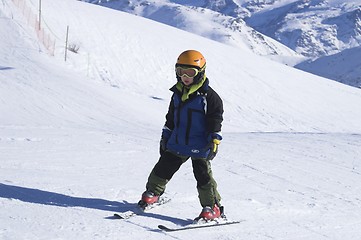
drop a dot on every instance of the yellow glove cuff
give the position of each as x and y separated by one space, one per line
216 141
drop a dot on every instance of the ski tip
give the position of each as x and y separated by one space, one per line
167 229
117 216
112 217
162 227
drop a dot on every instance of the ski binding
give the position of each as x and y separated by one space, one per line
138 210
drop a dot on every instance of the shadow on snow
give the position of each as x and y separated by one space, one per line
5 68
38 196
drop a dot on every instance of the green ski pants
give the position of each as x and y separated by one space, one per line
169 163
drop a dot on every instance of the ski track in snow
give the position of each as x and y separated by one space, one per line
283 184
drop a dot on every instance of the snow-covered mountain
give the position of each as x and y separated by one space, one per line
312 28
329 32
344 66
196 18
79 138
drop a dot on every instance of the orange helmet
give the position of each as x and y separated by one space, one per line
192 58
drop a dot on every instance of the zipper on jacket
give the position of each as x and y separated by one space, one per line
189 124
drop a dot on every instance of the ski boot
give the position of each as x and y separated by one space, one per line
210 214
148 198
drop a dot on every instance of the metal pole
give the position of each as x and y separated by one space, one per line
66 42
39 14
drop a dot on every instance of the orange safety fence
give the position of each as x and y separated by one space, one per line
33 21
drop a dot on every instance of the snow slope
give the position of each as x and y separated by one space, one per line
194 17
343 67
312 29
78 139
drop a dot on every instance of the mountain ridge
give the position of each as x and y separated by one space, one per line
309 28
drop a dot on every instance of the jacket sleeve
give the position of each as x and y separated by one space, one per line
169 123
214 115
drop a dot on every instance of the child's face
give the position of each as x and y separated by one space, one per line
186 80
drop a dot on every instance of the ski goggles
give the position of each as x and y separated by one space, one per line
186 71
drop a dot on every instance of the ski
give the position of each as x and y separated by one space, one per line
139 210
198 225
126 215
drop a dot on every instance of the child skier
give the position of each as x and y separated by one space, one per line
192 130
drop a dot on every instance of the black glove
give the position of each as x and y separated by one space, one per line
163 145
213 149
166 132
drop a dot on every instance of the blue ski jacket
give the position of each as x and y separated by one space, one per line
193 121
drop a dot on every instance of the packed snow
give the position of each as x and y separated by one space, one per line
79 138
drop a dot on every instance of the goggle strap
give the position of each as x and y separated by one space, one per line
191 66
